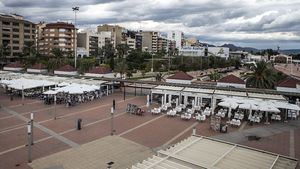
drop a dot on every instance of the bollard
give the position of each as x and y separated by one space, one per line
79 125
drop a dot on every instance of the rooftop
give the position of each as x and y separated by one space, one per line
204 152
288 82
181 76
15 65
38 66
231 79
67 68
100 70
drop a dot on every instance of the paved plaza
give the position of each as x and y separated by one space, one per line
152 132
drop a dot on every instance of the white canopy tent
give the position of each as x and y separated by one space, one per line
22 83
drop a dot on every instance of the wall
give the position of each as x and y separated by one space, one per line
178 81
287 89
231 85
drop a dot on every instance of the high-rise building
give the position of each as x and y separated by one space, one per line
15 32
138 40
150 41
177 36
91 41
162 44
116 33
57 35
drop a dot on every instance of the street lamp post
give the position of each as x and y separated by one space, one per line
75 9
113 108
31 126
29 130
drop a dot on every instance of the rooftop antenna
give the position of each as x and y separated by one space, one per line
278 48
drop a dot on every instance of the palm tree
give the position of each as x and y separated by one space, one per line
261 76
58 53
215 76
29 49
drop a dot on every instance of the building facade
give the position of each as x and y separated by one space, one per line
15 33
162 44
116 33
59 35
149 43
91 41
177 36
194 51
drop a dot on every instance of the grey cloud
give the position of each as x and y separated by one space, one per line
213 17
51 3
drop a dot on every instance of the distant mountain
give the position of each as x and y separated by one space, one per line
232 47
290 51
206 44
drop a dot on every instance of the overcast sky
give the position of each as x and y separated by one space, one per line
254 23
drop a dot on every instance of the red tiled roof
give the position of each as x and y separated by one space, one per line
232 79
15 65
67 68
181 76
288 82
100 70
38 66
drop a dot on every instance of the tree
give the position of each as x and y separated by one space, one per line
122 50
129 74
29 49
108 55
86 64
121 67
159 77
58 53
261 76
215 76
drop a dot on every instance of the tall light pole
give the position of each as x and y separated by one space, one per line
75 9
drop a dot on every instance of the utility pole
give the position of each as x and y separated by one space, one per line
55 107
22 95
113 108
75 9
152 69
124 95
29 141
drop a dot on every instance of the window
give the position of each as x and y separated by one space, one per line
15 42
33 36
27 31
52 30
6 36
15 36
16 48
27 36
15 24
6 23
27 25
15 30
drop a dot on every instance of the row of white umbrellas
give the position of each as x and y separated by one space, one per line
22 83
74 88
257 104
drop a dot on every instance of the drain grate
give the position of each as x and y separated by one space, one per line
254 138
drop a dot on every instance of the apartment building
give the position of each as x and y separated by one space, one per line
116 33
57 35
162 44
177 36
15 32
139 40
150 41
91 41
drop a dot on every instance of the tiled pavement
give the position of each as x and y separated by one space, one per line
151 131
